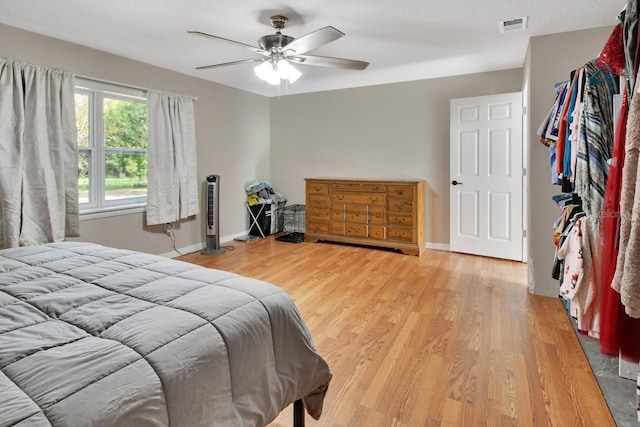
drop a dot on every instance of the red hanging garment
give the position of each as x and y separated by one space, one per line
609 232
562 130
611 59
619 333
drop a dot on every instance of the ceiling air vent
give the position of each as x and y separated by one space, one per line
516 24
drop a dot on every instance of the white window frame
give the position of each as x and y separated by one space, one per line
98 206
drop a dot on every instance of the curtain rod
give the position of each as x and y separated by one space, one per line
128 86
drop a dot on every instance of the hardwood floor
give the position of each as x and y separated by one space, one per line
438 340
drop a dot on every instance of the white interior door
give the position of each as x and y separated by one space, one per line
486 176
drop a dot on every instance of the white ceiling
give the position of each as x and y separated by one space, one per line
402 39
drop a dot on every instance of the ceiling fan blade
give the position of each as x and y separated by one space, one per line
328 61
207 67
246 46
313 40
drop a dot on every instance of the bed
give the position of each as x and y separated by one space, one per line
97 336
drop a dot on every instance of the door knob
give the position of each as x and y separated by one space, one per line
454 182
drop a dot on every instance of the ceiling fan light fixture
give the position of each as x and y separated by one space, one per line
287 71
266 72
272 73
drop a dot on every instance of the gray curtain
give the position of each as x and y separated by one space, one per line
172 185
38 155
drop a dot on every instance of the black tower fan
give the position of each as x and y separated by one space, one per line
213 211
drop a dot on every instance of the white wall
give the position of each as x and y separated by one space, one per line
232 131
398 130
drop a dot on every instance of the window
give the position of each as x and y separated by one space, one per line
112 146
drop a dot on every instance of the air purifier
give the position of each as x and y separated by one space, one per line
212 195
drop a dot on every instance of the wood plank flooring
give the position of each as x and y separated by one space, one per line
438 340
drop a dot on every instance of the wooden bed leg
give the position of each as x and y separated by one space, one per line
298 413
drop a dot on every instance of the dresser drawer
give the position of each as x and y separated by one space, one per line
321 214
336 228
400 191
358 213
399 205
361 198
376 215
376 232
338 211
317 187
318 200
402 234
317 227
404 220
357 186
356 230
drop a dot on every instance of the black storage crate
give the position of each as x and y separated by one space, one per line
293 223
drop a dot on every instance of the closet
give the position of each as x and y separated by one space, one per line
592 133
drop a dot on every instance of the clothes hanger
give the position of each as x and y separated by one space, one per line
595 79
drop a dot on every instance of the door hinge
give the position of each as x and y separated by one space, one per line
524 233
524 171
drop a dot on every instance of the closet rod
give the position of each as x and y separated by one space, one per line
127 86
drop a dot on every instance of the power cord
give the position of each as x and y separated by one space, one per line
173 238
168 228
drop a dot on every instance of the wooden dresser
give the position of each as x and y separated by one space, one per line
368 212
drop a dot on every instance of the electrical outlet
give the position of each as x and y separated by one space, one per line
168 228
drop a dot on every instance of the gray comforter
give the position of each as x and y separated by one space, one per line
96 336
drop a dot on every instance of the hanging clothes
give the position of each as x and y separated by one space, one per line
595 140
609 235
563 223
548 130
619 333
627 277
587 150
575 128
629 19
571 253
566 160
612 57
562 129
578 284
589 296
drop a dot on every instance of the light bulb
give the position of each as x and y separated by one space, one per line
265 71
288 71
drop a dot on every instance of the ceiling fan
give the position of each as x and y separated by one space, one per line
279 51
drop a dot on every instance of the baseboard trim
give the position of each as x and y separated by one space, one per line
224 239
199 246
438 246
